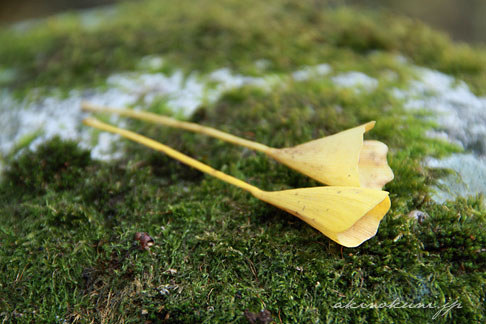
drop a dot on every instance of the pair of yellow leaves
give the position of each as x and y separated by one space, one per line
348 211
356 171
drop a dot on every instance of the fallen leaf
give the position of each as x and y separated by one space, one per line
145 240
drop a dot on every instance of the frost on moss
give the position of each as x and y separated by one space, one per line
67 221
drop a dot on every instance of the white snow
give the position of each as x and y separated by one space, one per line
356 80
469 177
311 71
462 119
460 113
53 116
151 62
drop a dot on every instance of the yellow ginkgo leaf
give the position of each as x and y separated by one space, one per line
373 168
347 215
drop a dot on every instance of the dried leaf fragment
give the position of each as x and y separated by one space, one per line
145 240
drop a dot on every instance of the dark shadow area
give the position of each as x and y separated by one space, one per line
17 10
463 20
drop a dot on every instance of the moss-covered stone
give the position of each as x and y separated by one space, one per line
67 221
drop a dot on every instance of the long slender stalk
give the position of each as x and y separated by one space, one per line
172 153
154 118
354 162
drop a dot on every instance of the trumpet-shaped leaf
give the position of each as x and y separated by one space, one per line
342 159
347 215
373 168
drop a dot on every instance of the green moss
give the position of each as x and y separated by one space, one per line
67 222
454 235
55 165
230 251
64 53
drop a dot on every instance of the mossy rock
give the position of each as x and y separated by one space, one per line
67 221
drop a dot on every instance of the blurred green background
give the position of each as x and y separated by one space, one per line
464 20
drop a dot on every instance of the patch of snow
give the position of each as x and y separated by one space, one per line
228 80
356 80
151 62
461 114
262 64
183 94
311 71
51 116
462 119
469 177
